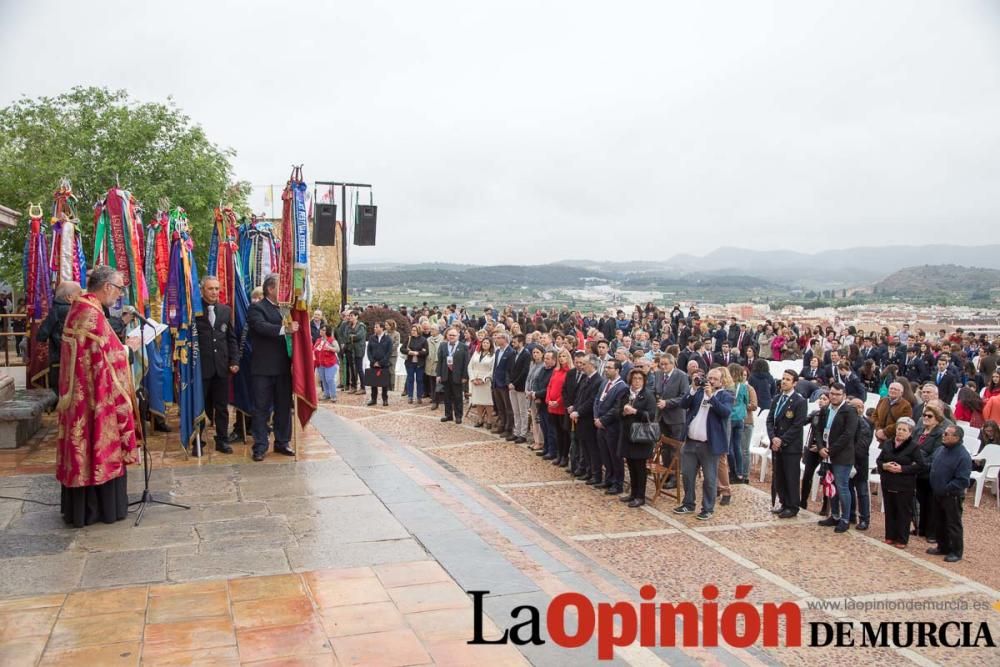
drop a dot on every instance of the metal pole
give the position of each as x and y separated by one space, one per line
344 237
343 261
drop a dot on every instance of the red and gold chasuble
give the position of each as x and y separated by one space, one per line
98 413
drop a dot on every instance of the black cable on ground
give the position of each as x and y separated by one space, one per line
29 500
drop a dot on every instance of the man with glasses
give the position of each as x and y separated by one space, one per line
951 469
708 408
98 411
839 423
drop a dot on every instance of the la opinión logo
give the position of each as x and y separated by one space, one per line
738 624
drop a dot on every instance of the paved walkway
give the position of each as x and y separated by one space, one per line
361 553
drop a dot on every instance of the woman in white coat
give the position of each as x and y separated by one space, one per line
480 384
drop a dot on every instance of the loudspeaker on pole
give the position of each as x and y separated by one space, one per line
325 225
364 226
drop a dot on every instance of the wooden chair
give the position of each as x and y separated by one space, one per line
660 473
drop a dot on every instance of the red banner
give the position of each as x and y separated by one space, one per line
303 371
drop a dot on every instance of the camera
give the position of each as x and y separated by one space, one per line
699 380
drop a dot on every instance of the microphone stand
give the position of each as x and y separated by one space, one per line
147 498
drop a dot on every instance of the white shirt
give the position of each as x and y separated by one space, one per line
698 429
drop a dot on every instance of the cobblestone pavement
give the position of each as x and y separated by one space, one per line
360 553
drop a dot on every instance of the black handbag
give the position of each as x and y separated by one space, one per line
377 377
644 432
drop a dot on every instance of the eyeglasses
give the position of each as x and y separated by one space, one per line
927 414
118 287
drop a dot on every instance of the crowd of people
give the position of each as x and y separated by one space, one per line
599 395
577 390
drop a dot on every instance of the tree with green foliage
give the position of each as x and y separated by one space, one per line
94 136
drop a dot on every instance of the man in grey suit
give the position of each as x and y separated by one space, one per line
670 386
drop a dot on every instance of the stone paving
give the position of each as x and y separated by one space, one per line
360 553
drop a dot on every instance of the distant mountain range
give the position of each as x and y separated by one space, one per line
940 281
843 268
828 268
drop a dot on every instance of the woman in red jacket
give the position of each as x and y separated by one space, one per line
327 364
557 410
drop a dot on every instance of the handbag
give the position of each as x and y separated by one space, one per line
644 432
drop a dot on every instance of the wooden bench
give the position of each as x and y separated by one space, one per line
21 415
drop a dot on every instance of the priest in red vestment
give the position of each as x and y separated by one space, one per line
98 411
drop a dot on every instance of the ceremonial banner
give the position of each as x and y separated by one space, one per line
118 244
222 252
67 260
38 296
181 306
303 371
242 393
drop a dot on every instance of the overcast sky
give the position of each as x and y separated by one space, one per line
535 131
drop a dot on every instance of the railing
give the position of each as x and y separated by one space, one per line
8 338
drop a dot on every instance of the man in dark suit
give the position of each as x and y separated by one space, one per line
219 360
853 386
670 385
892 354
727 356
502 359
607 421
379 349
914 367
314 324
831 370
868 351
839 422
742 341
685 354
516 379
271 372
583 417
452 372
945 381
784 428
573 379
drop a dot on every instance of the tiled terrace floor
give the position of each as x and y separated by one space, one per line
360 553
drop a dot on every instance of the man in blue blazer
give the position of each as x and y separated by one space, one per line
708 407
608 422
502 360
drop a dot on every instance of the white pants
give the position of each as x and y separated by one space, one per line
519 403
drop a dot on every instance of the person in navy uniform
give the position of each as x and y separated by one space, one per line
219 360
784 430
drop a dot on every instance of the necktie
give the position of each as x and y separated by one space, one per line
211 315
781 403
940 375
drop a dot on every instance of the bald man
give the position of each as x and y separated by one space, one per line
51 329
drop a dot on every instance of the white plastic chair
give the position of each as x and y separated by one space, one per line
758 442
990 473
875 477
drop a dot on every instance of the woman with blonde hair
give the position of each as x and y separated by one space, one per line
723 490
481 384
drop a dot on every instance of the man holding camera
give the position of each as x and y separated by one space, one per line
708 408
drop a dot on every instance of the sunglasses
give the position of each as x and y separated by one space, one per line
927 414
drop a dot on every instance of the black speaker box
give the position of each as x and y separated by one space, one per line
364 226
325 225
